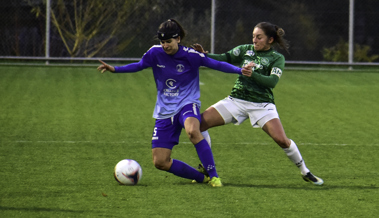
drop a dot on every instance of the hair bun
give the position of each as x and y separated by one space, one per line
280 32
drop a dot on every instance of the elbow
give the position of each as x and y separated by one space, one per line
273 82
272 85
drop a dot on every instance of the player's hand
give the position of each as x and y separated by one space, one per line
199 48
247 70
105 67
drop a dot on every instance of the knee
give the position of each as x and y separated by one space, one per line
193 134
161 164
283 142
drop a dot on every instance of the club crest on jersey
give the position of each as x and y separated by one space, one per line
236 52
171 83
180 68
250 53
265 61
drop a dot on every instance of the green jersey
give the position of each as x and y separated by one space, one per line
265 76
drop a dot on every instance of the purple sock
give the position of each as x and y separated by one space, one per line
206 157
179 168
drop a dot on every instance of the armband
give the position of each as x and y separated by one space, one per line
276 71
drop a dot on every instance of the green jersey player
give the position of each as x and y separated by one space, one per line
252 97
269 65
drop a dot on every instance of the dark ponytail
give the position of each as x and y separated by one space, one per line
276 33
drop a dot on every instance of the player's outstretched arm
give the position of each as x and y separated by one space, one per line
105 67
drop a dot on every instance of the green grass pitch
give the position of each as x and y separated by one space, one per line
63 129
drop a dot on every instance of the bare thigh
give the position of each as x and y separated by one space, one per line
275 130
210 118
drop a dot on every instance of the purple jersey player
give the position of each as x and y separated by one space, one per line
176 74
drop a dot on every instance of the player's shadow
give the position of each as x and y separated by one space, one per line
307 187
295 187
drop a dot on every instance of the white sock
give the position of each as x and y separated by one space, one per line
294 155
207 137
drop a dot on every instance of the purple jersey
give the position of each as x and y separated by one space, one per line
176 77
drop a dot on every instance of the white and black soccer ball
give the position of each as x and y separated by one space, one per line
128 172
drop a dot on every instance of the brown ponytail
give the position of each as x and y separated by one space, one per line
276 33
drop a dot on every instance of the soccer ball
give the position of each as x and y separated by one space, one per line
128 172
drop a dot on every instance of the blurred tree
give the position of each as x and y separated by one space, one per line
340 53
91 27
193 15
240 17
197 27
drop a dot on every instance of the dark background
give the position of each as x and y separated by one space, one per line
310 26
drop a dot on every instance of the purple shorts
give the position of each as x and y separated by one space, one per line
167 131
